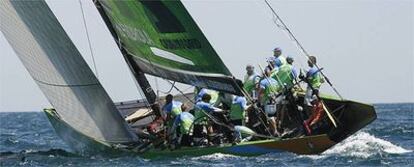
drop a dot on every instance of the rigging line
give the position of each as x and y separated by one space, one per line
300 46
158 89
88 38
191 86
181 92
170 90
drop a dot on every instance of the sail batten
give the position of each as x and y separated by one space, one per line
163 40
61 73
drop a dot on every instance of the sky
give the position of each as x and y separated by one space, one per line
365 46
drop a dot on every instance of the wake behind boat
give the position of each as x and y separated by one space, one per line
160 38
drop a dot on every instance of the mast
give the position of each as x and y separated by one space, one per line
139 75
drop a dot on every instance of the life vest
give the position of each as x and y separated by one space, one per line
250 83
237 110
186 122
199 113
174 108
280 61
214 95
284 75
271 87
315 80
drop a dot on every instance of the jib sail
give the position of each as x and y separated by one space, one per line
60 71
163 40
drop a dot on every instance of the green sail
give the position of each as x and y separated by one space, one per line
163 40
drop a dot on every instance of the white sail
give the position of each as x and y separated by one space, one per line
60 71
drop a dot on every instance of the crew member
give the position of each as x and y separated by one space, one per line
286 74
268 87
286 77
172 108
278 57
311 100
267 96
314 80
271 66
224 101
213 94
316 115
238 110
290 61
202 108
182 126
251 81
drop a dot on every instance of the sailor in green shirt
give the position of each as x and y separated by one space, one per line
238 110
182 128
201 123
251 81
286 74
172 108
213 94
271 66
269 87
314 80
278 57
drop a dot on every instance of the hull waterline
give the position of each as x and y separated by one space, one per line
83 144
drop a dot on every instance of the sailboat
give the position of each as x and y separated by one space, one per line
159 38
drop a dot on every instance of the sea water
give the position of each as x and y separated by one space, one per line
27 139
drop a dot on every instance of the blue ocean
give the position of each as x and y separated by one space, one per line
28 139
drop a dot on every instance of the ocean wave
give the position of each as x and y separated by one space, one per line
361 145
51 152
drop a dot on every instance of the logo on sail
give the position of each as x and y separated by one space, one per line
134 34
170 56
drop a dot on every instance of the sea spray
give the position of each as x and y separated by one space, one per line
361 145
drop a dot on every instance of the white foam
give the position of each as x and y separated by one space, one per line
362 145
215 156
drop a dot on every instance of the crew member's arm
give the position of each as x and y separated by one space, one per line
244 104
294 74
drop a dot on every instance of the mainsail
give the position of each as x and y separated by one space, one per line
163 40
60 71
